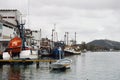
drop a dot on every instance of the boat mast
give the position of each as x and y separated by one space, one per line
52 38
67 38
40 37
75 38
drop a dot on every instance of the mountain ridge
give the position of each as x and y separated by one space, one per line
110 44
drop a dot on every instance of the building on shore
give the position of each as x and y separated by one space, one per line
36 37
11 15
8 26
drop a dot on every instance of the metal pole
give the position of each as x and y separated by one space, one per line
67 38
75 38
54 34
52 37
57 36
22 36
40 37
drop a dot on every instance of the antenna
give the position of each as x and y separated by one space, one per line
54 26
28 12
75 38
57 36
67 33
40 37
65 38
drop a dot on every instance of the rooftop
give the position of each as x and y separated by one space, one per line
8 10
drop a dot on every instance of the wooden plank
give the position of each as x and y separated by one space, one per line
50 60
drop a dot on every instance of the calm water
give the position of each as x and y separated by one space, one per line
88 66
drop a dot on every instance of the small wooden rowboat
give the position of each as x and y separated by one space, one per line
61 64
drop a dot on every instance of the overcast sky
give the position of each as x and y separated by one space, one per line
90 19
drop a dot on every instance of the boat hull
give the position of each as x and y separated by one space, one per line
23 54
61 64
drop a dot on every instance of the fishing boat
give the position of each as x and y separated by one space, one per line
45 51
30 54
75 50
45 47
14 50
72 51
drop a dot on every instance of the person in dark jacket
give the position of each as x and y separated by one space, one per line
56 53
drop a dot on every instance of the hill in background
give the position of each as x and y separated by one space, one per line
104 44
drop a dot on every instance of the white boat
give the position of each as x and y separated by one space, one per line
24 54
31 54
61 64
72 51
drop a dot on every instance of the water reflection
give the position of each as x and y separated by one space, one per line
91 66
60 71
14 73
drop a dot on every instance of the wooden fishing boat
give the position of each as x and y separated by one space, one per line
14 46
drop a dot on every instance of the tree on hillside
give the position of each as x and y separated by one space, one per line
83 46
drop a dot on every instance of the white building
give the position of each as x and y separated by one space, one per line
11 15
36 37
6 33
8 26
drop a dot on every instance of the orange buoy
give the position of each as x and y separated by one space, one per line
15 46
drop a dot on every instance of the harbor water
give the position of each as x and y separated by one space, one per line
87 66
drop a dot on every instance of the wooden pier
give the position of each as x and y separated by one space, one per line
48 60
35 60
25 62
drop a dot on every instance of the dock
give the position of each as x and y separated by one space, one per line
26 61
35 60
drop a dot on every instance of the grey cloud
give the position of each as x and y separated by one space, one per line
83 4
91 19
15 4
